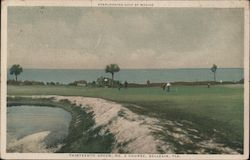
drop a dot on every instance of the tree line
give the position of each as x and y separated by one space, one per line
16 70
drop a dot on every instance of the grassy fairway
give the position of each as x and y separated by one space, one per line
216 111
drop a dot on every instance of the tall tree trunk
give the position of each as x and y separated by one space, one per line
16 77
112 80
214 77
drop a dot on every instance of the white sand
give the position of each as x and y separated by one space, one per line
129 129
30 144
211 144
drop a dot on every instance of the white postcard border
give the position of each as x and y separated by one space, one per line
120 3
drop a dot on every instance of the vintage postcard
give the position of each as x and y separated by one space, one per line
114 79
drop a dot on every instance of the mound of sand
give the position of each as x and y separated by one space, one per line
30 144
132 132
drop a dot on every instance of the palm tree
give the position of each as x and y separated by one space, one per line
112 68
16 69
213 69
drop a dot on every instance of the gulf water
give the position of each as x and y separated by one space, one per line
131 75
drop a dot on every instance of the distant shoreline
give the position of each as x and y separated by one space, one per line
130 85
126 68
137 76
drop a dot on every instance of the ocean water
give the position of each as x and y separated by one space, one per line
131 75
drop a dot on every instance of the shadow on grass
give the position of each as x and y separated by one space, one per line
197 128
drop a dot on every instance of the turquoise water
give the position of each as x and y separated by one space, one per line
131 75
26 120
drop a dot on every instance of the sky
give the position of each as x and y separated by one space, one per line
91 38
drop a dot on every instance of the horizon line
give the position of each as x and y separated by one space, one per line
133 68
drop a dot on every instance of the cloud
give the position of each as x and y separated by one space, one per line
59 37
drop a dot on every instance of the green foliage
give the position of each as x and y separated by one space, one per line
83 136
112 68
78 83
107 82
213 69
26 82
104 81
241 81
16 69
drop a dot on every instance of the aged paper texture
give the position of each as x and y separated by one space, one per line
114 79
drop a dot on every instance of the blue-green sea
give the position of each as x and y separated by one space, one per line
131 75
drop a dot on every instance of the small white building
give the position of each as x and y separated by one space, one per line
81 83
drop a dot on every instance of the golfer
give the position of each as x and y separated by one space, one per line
168 86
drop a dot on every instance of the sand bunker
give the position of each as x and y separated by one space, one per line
33 143
132 131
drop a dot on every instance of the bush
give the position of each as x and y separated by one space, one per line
78 83
241 81
13 82
26 82
33 83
